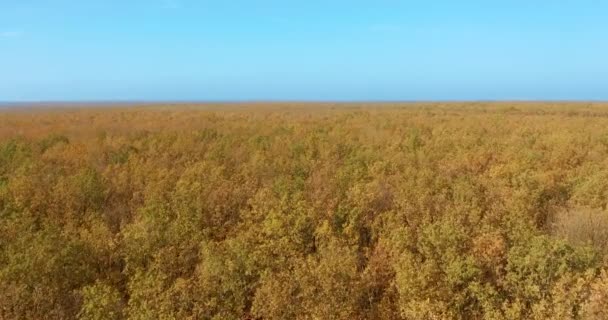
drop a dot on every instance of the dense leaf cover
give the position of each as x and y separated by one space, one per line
294 211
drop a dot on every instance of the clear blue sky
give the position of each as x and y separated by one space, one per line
303 50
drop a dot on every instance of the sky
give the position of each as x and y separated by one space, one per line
237 50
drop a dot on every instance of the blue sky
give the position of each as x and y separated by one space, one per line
303 50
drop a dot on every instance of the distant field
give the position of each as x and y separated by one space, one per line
304 211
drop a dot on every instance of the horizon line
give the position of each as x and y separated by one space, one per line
278 101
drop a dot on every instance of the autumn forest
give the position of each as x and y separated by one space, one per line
305 211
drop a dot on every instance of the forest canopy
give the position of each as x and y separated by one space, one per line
305 211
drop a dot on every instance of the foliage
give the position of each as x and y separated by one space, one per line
291 211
